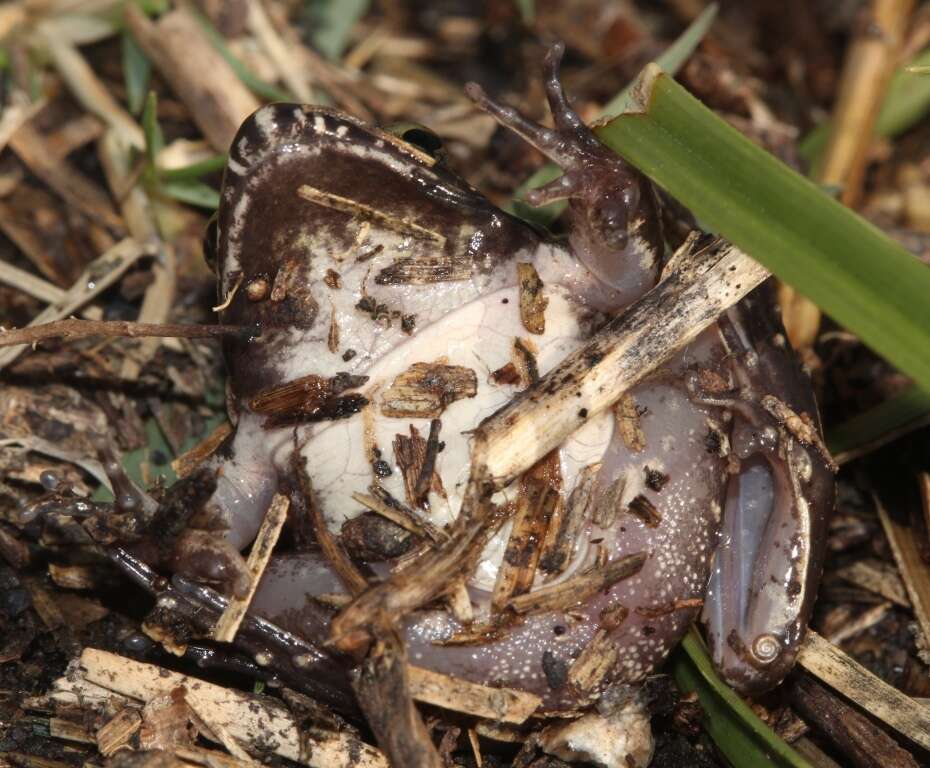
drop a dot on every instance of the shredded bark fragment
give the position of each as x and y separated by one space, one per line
627 416
856 737
608 505
412 455
425 390
74 328
333 279
595 663
578 589
332 338
524 360
187 462
567 522
540 494
645 510
532 301
118 730
309 399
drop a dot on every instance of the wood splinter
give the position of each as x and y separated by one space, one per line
231 618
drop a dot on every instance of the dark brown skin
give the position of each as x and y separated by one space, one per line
343 243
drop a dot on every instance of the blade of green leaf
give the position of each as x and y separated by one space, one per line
192 192
255 84
906 101
156 454
137 71
739 734
154 138
849 268
671 61
527 10
195 170
331 23
873 427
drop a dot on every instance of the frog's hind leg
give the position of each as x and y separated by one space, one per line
765 574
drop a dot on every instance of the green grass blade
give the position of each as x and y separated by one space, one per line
255 84
849 268
671 61
739 734
137 71
908 409
154 138
192 192
527 10
195 170
331 23
907 100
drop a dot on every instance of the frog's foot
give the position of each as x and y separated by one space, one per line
614 217
763 584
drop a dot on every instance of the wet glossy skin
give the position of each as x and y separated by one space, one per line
360 256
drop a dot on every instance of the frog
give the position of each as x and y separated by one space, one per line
398 308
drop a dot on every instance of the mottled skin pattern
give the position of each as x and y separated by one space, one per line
329 224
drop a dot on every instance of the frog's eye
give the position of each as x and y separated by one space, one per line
210 236
419 136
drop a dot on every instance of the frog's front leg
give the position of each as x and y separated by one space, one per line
769 561
614 227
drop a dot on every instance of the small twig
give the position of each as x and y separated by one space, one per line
74 328
382 687
273 522
99 275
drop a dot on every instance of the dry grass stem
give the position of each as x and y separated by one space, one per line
86 88
501 705
260 554
878 578
915 573
828 663
40 289
217 100
287 64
